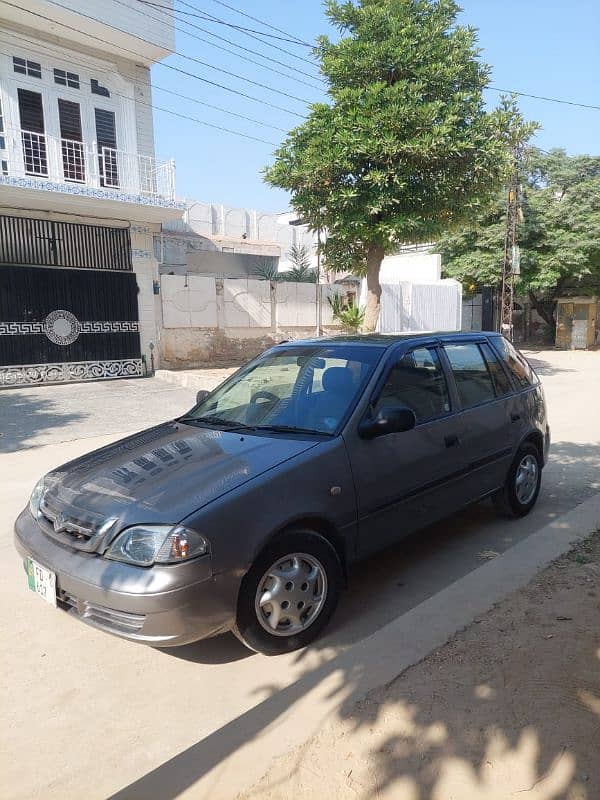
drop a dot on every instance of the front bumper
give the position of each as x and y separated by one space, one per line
162 605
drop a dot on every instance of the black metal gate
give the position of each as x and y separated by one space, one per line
67 324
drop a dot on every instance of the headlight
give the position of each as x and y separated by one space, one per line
145 545
36 497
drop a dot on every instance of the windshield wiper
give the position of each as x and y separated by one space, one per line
288 429
228 424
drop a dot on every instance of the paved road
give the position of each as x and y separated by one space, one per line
87 714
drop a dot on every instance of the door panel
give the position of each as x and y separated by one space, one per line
486 417
403 480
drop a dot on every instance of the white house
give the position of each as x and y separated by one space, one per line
82 193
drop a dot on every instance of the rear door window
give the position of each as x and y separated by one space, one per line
499 377
515 363
472 377
417 381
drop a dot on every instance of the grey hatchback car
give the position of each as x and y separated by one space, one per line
245 513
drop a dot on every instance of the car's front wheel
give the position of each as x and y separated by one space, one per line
289 594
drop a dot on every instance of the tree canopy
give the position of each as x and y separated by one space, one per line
404 148
559 236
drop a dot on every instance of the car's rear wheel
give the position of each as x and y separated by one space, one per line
289 594
523 483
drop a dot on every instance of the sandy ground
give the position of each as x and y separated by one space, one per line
509 708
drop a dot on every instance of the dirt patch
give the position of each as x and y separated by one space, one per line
508 709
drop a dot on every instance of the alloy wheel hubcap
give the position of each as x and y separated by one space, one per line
526 479
291 594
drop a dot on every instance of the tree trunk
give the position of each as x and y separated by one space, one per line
375 256
545 308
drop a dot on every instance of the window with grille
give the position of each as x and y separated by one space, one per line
106 136
73 156
33 137
64 78
25 67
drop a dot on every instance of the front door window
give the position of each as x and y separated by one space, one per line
417 381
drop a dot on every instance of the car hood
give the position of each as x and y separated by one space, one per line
162 474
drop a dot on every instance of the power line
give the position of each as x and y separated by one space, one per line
232 52
244 31
250 97
541 97
260 21
254 52
185 116
148 84
195 60
161 64
212 18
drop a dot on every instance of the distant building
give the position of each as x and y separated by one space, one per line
218 240
82 193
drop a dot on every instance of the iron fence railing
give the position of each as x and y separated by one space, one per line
66 161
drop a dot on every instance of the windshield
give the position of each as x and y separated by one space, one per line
304 389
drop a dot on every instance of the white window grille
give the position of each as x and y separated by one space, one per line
73 156
35 155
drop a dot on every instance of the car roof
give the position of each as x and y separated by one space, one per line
389 339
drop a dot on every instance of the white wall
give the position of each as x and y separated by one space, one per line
418 267
145 267
195 301
407 306
144 123
247 230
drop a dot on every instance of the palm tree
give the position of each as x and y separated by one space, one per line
301 271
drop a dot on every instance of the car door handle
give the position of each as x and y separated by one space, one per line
515 417
451 441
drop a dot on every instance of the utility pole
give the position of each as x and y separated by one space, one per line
319 290
510 265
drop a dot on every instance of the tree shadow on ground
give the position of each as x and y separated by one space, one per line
509 707
537 752
24 413
544 367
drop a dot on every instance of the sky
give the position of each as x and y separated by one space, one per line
542 47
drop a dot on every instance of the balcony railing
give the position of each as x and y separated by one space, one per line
69 162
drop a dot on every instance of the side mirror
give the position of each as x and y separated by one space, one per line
389 419
202 395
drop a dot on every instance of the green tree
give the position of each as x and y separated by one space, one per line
404 148
559 236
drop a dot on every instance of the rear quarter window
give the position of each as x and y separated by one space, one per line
516 364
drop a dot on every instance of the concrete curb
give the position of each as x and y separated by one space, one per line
236 756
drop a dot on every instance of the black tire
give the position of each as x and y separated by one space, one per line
248 627
506 501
